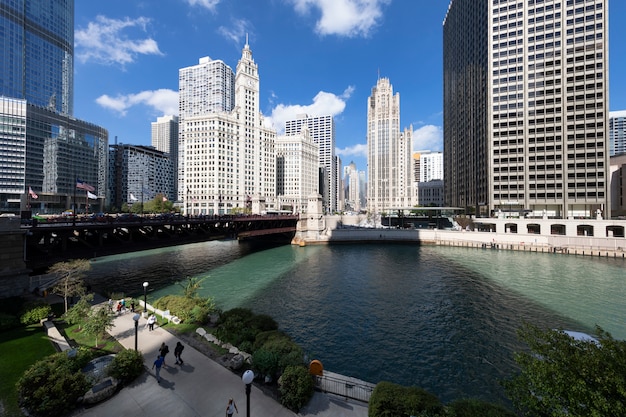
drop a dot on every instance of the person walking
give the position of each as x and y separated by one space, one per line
150 322
158 363
231 408
164 350
178 350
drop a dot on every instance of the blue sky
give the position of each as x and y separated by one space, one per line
315 56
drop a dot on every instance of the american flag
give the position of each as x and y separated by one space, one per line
32 194
83 185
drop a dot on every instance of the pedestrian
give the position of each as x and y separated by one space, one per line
110 305
164 350
178 350
119 308
150 322
231 408
132 306
158 363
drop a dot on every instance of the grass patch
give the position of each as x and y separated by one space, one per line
77 337
28 345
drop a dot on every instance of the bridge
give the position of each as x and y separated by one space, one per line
52 240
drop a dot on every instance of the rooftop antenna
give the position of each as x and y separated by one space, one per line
246 39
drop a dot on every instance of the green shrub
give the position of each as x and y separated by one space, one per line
34 313
288 351
296 387
8 321
477 408
265 362
126 366
390 399
234 326
191 310
51 387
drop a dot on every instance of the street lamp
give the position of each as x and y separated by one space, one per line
136 319
247 379
145 298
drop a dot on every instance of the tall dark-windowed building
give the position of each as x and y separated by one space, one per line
526 106
42 145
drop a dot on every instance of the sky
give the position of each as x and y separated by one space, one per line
317 57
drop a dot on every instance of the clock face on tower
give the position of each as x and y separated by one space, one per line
250 83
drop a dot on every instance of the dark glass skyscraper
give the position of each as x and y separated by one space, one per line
37 52
42 146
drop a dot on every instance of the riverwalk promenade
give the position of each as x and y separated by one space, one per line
199 387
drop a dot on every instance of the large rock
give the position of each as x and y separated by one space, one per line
236 362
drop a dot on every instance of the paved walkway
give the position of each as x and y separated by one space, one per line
201 387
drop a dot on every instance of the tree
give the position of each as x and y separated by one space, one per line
563 376
80 311
71 275
191 286
98 322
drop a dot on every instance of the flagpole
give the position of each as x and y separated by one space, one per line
86 202
74 203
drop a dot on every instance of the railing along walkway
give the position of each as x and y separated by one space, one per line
344 386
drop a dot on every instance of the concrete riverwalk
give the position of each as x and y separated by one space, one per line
200 387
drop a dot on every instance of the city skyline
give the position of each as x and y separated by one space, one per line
310 61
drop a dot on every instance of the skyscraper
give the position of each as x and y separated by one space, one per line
526 106
617 132
41 145
205 88
165 139
388 152
297 173
37 52
226 155
322 130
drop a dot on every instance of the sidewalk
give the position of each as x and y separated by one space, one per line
201 387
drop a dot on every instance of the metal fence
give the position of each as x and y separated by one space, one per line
345 387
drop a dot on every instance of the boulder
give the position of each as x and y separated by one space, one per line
236 362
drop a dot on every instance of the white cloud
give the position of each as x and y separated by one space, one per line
163 100
350 18
104 41
236 32
355 151
428 138
323 104
207 4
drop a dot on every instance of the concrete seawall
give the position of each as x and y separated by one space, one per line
572 245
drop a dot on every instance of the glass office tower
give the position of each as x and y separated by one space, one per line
37 52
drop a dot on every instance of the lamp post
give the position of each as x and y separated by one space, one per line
247 379
145 298
136 319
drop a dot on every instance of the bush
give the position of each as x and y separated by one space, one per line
477 408
51 387
288 351
8 321
126 366
390 399
296 387
265 362
34 313
192 310
241 325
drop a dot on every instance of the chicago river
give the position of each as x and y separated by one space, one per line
441 318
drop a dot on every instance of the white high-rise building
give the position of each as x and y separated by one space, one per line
389 152
526 106
297 170
352 188
205 88
617 132
227 155
430 166
322 130
165 139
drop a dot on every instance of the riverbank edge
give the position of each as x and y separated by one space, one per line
583 246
